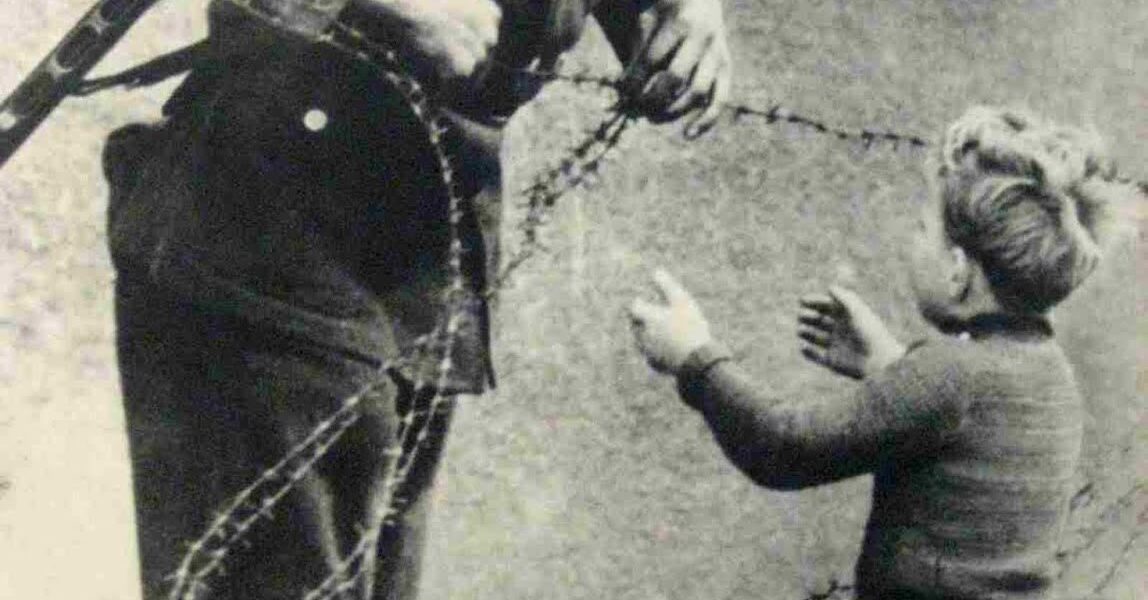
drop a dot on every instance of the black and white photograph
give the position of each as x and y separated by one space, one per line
573 299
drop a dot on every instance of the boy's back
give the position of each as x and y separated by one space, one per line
981 515
974 438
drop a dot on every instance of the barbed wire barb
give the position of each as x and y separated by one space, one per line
205 556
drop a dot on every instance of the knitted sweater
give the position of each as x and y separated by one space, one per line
973 441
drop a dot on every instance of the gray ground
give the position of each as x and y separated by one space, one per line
582 477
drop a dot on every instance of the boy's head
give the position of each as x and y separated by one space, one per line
1014 218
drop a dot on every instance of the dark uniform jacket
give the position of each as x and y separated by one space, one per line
337 234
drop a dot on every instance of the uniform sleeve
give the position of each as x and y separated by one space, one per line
305 17
897 415
620 21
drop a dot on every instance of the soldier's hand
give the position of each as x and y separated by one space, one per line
685 66
452 39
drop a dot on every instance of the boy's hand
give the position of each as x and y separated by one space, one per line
668 333
451 38
840 332
686 65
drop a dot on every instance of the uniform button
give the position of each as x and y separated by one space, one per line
315 120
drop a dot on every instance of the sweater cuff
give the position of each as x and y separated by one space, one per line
693 373
703 359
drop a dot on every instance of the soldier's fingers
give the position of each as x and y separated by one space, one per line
723 81
688 97
659 91
717 100
701 90
689 65
666 40
462 65
485 20
462 52
689 56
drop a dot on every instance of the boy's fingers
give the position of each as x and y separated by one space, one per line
846 298
815 318
820 302
642 310
816 355
814 336
671 290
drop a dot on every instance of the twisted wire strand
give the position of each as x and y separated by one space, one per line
867 137
206 555
358 562
776 113
385 61
582 161
232 523
1090 534
1066 557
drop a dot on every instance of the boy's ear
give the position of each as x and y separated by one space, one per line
960 276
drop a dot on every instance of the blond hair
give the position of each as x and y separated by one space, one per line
1027 200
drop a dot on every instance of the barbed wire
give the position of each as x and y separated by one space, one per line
206 555
867 137
1122 556
582 161
774 113
1066 558
1091 533
253 503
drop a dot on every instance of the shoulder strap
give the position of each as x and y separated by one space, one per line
61 72
149 73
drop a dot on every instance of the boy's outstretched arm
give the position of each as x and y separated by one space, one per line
901 411
840 332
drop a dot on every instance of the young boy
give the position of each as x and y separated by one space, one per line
972 438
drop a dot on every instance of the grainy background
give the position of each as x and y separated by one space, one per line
582 476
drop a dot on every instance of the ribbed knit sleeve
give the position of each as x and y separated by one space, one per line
973 444
789 443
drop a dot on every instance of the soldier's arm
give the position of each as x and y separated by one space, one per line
448 39
620 20
452 38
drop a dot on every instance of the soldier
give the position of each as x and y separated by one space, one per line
282 239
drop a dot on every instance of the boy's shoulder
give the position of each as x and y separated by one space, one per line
964 366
